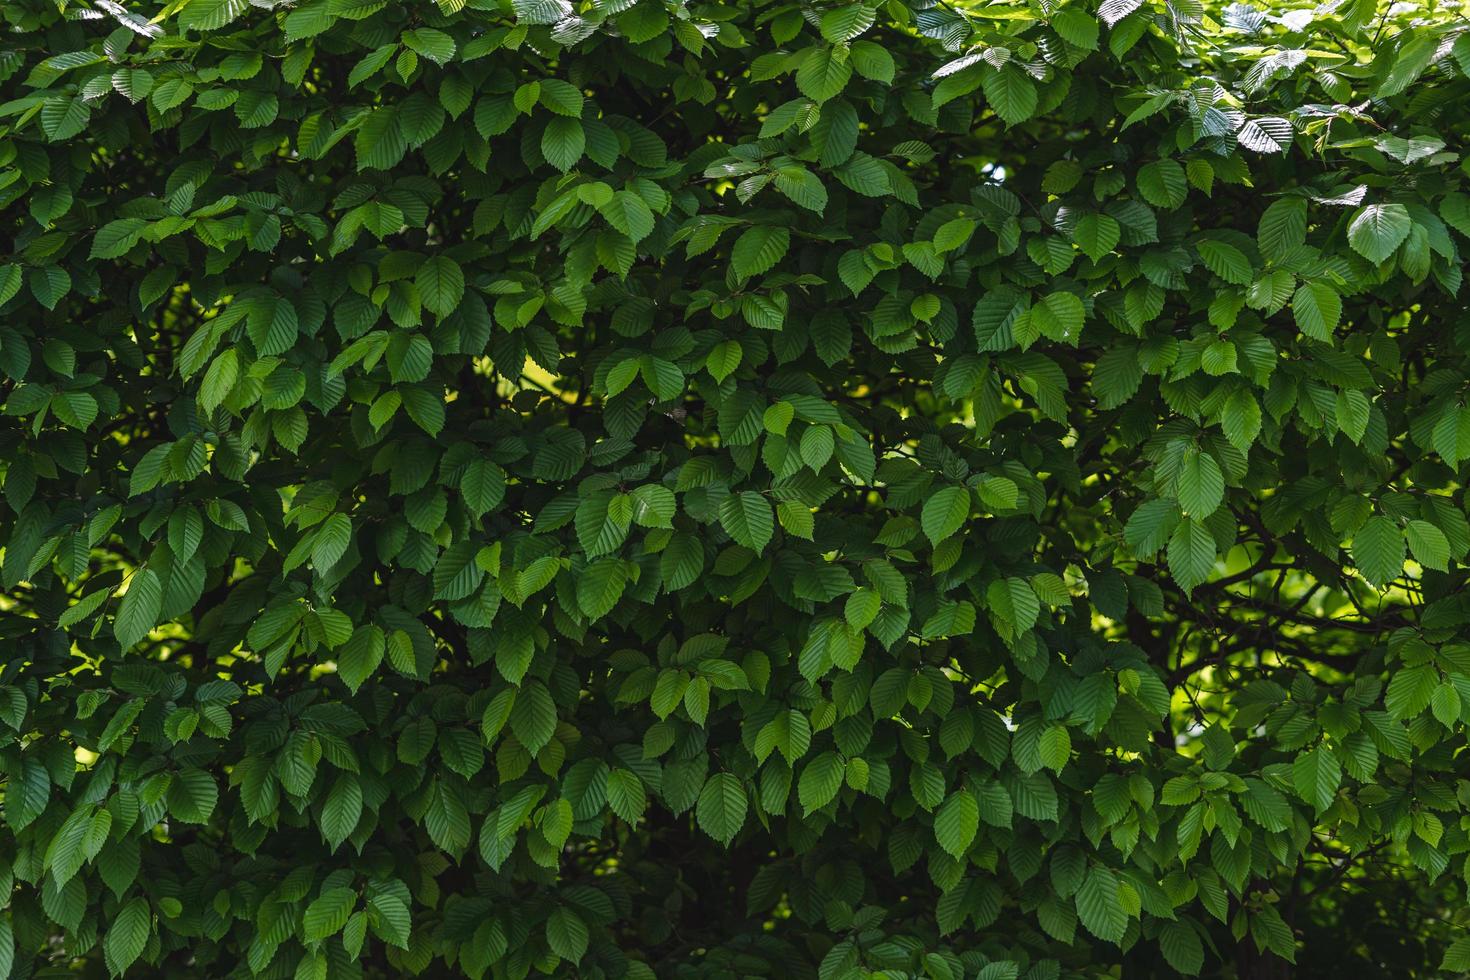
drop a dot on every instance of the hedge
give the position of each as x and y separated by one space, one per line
660 488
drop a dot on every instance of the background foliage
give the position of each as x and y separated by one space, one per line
646 488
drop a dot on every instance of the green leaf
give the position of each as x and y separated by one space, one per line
440 282
533 717
1428 545
89 604
1317 309
563 142
1099 906
1410 691
567 935
823 72
482 485
210 15
1097 234
139 609
1377 230
1283 227
192 796
1151 525
1444 704
600 586
746 516
1182 948
456 574
433 44
758 249
7 947
1316 776
117 238
721 810
873 61
820 781
1055 747
945 512
724 359
561 97
391 920
1226 261
331 541
1240 419
956 823
1191 554
1011 94
1378 551
1220 357
625 795
1199 484
127 935
1457 957
1451 434
342 809
327 914
846 22
628 213
1163 184
1077 27
1059 317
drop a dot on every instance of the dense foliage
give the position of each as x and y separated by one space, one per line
631 488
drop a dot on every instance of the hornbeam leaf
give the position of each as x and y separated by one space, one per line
139 609
1100 907
1377 230
1011 94
945 512
1191 554
1316 775
957 822
722 805
1378 550
746 516
127 935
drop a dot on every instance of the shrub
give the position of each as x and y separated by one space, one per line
639 488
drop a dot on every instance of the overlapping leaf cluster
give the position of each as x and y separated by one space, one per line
637 488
